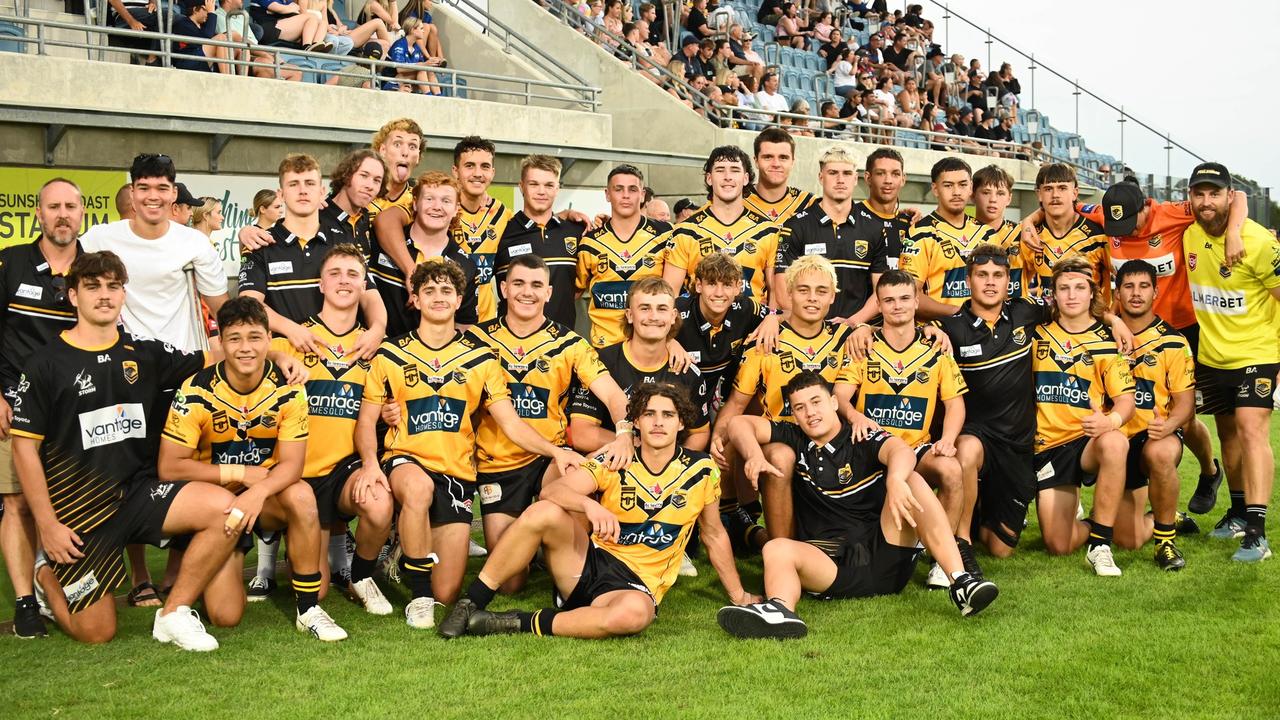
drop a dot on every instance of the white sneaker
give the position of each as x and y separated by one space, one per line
43 604
475 549
317 622
370 595
937 579
687 568
183 628
420 613
1080 511
1104 564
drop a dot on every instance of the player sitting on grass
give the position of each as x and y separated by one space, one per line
860 514
609 582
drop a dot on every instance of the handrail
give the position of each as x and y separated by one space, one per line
369 69
528 50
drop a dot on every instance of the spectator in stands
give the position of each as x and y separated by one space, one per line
935 78
706 56
689 49
421 9
180 210
792 30
675 89
408 50
830 49
368 39
207 216
831 126
899 59
909 105
683 209
975 93
873 55
658 53
197 21
959 74
747 90
649 14
389 14
240 29
823 28
770 12
799 126
884 102
842 74
769 98
286 20
138 15
697 24
745 60
268 207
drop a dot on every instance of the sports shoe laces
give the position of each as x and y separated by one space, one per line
320 619
187 622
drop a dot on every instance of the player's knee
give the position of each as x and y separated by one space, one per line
94 634
543 514
416 492
628 619
780 456
224 615
995 545
299 501
378 513
1161 455
776 550
17 505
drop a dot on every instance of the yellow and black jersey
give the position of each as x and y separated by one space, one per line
540 370
438 391
763 375
402 200
478 234
390 283
792 201
335 383
1072 370
1162 365
1008 235
936 254
227 427
900 389
608 265
657 512
717 348
1085 238
94 411
751 239
893 229
33 307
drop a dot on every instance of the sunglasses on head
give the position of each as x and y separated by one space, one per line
60 289
985 258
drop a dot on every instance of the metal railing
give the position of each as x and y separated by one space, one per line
513 41
525 90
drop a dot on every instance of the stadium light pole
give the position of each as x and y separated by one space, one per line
1122 121
946 23
1032 68
1077 94
988 49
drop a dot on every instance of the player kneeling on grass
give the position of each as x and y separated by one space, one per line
83 454
861 511
610 582
238 424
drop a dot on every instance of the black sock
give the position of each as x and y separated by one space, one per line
728 504
754 509
1099 534
480 594
26 600
1255 517
538 622
1237 504
361 568
1164 532
417 574
306 588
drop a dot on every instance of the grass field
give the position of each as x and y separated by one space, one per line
1059 643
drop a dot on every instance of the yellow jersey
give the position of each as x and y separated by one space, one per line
657 512
226 427
438 391
478 234
608 265
792 201
935 254
540 370
404 201
763 375
335 382
1008 235
1239 319
1085 238
750 239
900 390
1070 371
1161 364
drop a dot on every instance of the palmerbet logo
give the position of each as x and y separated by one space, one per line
657 535
435 414
112 424
1062 389
903 413
251 451
611 295
1144 395
955 283
333 398
530 401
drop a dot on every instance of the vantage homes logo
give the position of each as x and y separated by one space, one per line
530 401
112 424
611 295
436 414
333 398
252 451
904 413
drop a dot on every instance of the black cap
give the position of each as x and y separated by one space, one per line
1210 173
185 197
1121 204
683 204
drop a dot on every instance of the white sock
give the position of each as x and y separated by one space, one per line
267 559
339 560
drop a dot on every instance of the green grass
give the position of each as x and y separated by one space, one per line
1059 643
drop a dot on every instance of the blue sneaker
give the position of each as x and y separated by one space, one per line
1228 528
1254 548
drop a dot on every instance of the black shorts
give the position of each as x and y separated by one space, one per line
510 492
328 490
1006 484
140 519
450 500
1220 392
601 573
1060 466
1135 476
1192 334
867 565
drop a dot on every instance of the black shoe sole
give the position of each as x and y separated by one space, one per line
447 629
1205 498
981 598
1171 567
742 623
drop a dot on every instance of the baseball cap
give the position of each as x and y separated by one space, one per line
690 40
189 5
684 204
1121 204
185 197
1210 173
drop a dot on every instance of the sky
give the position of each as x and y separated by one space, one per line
1207 73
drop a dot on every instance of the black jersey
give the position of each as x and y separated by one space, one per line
287 272
557 244
855 247
33 307
624 371
93 409
893 229
717 350
389 281
996 364
341 226
843 485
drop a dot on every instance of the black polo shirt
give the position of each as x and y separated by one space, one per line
996 364
892 229
717 350
287 272
839 487
557 244
390 284
35 307
624 372
854 247
342 227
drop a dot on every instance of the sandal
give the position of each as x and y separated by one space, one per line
144 595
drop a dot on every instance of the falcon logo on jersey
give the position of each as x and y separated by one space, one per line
130 369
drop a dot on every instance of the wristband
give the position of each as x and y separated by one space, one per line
228 474
859 326
626 426
1115 419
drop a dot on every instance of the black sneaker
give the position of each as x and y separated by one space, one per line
1184 524
1168 558
1206 495
972 594
769 619
483 622
27 622
260 588
742 530
969 558
455 623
